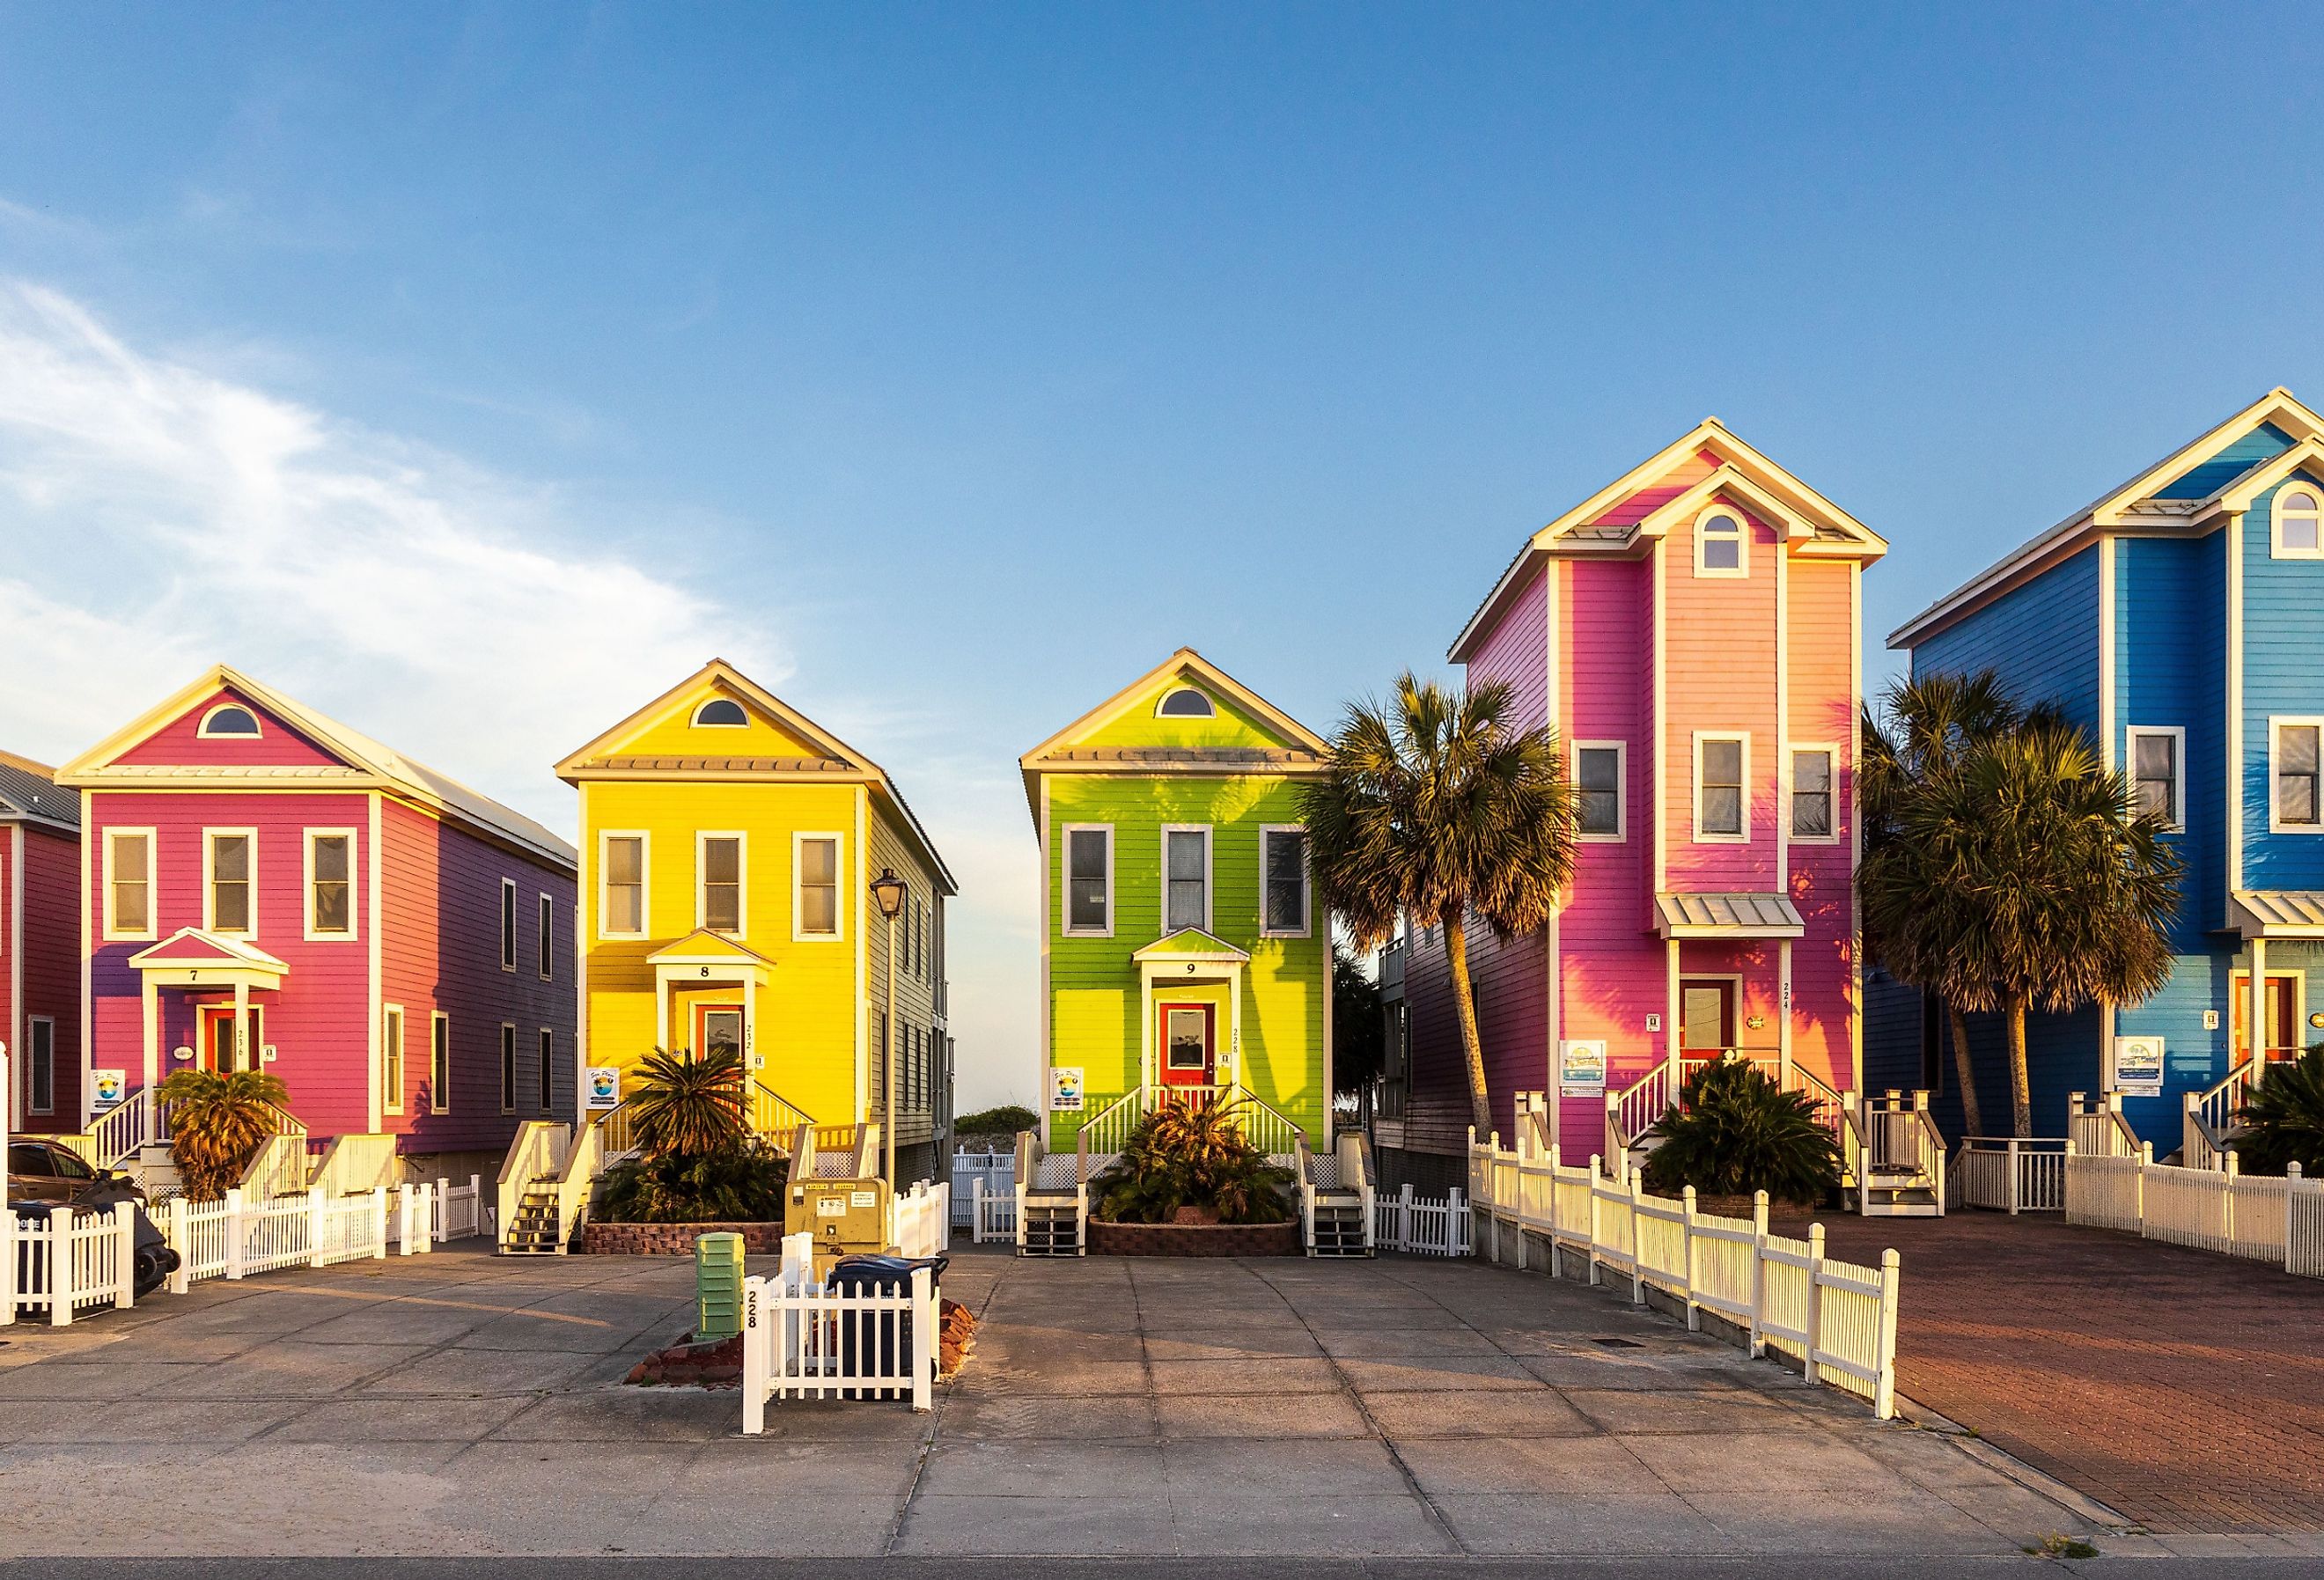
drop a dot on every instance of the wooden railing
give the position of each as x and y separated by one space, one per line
774 1115
537 1152
2098 1129
2211 1117
1266 1127
357 1163
1898 1137
2011 1174
1637 1108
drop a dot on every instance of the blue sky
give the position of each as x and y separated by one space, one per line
476 371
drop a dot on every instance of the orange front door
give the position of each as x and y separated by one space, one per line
2282 1016
214 1050
1188 1036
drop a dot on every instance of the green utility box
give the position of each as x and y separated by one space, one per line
717 1285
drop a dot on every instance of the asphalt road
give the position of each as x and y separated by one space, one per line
1773 1567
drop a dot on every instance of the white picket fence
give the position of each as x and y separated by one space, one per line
458 1212
995 1170
68 1263
919 1221
237 1237
1421 1226
2010 1175
993 1212
2256 1216
1837 1319
802 1339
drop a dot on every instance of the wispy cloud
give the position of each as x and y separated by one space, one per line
162 516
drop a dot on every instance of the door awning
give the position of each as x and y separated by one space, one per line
1191 943
1728 916
191 957
2279 914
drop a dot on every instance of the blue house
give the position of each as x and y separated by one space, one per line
2177 621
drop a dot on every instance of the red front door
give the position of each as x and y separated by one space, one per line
1189 1040
717 1029
215 1049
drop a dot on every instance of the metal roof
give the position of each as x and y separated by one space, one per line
1729 916
29 790
2296 912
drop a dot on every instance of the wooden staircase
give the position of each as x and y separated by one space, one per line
1049 1228
1901 1167
534 1229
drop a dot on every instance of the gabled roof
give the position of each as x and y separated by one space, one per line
704 945
1070 750
828 759
1599 525
1191 943
2149 504
193 947
365 763
29 793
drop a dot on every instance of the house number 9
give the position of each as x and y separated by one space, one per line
1190 968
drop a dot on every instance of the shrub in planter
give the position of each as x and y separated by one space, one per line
1734 1132
2283 1118
741 1182
1190 1158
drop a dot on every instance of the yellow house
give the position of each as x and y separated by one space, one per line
728 845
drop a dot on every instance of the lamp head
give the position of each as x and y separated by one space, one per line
888 891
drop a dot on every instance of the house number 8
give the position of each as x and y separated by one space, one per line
705 971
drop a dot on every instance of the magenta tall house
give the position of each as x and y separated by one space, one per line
1691 632
263 887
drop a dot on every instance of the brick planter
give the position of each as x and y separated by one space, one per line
673 1239
1195 1238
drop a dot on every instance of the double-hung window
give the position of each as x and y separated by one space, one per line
1283 877
330 883
129 883
1814 810
508 1067
548 938
1187 878
721 900
1720 806
230 902
622 909
440 1063
391 1059
2295 771
2158 774
39 1064
508 924
548 1071
1089 879
815 904
1597 790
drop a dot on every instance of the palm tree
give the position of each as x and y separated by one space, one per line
217 1123
1439 807
2052 892
2284 1117
1933 722
687 1107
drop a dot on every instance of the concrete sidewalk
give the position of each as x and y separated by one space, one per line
457 1404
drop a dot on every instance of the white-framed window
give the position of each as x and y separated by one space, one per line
622 858
508 924
1722 780
391 1057
721 713
39 1064
547 1070
230 882
440 1063
2296 525
1600 775
1184 702
1089 879
129 883
2295 794
1185 876
508 1067
2158 773
1815 795
228 721
816 912
548 938
330 883
1284 908
1722 544
719 875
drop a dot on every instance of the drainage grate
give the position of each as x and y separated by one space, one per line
1618 1344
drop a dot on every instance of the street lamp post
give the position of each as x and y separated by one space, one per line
889 893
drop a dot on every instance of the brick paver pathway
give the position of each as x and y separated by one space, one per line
2185 1390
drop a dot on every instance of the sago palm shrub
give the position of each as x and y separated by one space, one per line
1734 1132
217 1123
2282 1118
687 1107
1192 1152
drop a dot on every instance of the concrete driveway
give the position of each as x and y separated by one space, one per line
457 1404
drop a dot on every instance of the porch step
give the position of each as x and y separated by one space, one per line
1339 1230
534 1231
1901 1194
1051 1229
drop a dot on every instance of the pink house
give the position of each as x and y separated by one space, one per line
1691 632
40 947
265 888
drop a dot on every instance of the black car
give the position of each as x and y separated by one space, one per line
44 1175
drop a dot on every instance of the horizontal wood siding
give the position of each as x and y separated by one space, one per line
1514 652
2279 599
1718 673
2042 638
2170 670
180 744
49 950
1820 598
440 951
916 995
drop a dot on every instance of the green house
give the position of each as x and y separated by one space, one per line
1183 946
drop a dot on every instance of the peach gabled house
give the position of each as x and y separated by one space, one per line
1691 633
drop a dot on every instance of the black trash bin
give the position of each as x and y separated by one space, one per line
888 1332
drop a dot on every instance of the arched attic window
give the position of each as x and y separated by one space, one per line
2298 522
229 719
722 713
1719 542
1184 702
